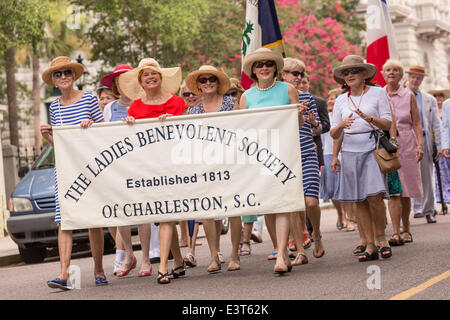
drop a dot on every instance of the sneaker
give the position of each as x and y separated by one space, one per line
190 260
256 236
58 283
117 266
101 281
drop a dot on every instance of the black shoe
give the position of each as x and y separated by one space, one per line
155 260
418 215
170 255
431 219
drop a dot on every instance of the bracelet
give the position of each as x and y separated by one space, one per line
393 140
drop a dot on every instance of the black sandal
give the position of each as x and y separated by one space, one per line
162 276
396 242
386 252
365 256
407 241
359 249
174 275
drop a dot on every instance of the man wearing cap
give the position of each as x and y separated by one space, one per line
429 119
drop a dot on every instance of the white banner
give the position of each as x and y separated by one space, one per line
188 167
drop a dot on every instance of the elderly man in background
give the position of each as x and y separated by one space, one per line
446 128
429 119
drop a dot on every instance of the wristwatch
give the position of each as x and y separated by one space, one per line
371 119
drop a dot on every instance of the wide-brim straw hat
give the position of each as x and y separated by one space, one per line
262 54
236 84
108 80
191 79
445 92
354 61
62 63
417 70
129 82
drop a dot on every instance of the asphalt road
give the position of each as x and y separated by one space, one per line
416 271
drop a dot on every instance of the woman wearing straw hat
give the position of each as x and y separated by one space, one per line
211 85
74 107
407 180
442 95
264 66
361 179
116 111
152 90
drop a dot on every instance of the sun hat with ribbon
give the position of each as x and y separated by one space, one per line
129 82
108 80
62 63
354 62
191 79
417 70
444 92
262 54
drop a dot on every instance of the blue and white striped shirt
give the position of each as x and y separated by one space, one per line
306 138
86 108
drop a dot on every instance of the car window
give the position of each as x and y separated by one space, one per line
45 160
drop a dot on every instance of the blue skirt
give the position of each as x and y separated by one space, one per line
329 181
360 177
310 172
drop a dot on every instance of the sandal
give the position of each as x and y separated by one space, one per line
359 249
291 254
162 276
396 241
306 241
175 275
216 269
190 261
303 259
339 226
292 245
365 256
406 240
245 252
386 252
145 273
316 240
122 273
272 256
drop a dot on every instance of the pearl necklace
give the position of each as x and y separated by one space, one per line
269 87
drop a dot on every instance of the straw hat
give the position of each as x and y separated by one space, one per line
191 79
354 61
259 55
62 63
129 82
108 80
445 92
236 84
417 70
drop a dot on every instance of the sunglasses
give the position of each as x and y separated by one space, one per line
58 74
233 93
297 73
351 71
205 80
188 94
268 64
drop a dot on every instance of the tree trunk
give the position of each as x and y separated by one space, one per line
36 104
12 96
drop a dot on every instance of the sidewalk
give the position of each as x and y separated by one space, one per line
9 253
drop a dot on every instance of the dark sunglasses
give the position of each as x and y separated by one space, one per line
58 74
268 64
351 71
205 80
187 94
297 73
233 93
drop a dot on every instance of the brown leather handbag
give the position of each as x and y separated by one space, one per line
388 162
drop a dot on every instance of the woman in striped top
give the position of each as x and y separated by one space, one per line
293 72
74 107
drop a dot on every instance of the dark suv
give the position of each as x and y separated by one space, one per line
32 212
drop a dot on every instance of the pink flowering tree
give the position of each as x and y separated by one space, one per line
319 42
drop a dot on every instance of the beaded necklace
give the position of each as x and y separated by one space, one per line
268 88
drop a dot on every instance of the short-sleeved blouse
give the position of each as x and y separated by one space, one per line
174 106
358 137
227 105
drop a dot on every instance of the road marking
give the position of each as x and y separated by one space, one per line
413 291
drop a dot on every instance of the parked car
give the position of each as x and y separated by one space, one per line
32 207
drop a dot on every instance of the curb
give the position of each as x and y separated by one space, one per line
8 260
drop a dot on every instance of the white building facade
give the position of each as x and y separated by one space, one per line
422 31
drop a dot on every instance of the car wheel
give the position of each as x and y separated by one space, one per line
33 254
225 226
